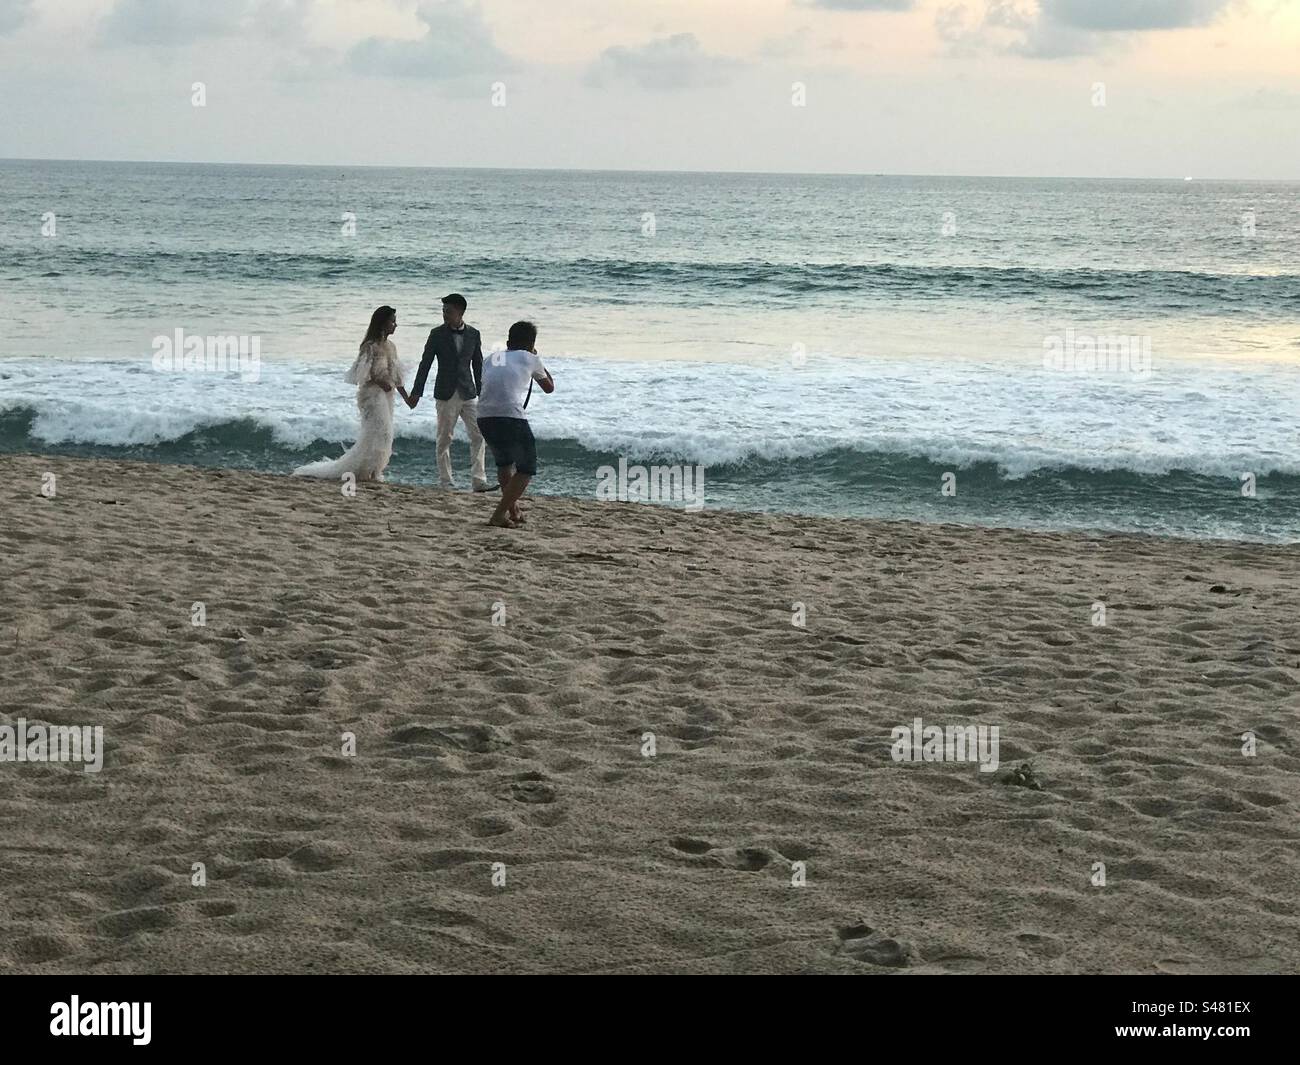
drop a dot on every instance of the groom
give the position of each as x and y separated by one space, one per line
459 351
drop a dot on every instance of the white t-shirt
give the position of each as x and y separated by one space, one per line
505 383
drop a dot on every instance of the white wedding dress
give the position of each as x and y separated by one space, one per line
376 367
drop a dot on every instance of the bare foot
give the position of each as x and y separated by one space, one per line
500 521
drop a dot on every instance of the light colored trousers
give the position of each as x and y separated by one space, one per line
449 410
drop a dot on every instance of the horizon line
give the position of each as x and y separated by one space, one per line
637 170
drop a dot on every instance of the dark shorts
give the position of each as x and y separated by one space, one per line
512 443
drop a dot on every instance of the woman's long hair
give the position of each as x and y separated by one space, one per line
378 323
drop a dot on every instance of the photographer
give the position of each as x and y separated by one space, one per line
507 379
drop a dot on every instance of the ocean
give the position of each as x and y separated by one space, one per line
1049 354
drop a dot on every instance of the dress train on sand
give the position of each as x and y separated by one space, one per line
375 369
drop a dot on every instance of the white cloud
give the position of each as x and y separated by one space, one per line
676 62
1056 29
1272 100
860 5
457 43
177 23
13 13
786 46
1120 15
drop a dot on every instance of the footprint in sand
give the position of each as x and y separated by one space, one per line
746 859
491 825
477 739
532 791
450 858
133 885
463 926
531 788
750 859
691 737
1179 966
1262 798
266 872
319 857
39 948
863 943
1156 807
1044 946
126 923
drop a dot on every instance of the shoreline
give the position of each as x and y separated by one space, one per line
1087 533
518 749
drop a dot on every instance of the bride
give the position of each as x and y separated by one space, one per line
376 373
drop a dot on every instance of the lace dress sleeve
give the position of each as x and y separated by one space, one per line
359 373
385 370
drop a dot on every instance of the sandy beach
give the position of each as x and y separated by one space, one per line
601 744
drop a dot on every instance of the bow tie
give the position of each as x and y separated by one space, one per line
459 331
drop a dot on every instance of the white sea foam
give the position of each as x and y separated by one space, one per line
1217 422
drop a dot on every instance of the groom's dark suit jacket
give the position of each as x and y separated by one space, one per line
463 372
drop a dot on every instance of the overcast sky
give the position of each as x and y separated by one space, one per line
1204 88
